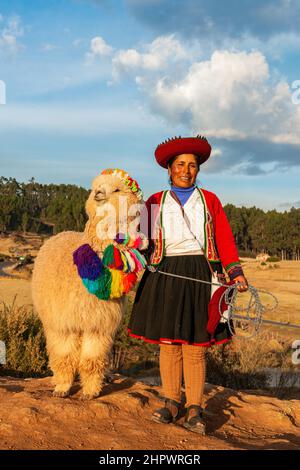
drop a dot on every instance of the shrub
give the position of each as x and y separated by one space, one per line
273 259
22 332
242 364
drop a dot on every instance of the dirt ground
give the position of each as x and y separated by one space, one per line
120 419
31 418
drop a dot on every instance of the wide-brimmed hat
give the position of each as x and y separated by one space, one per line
178 145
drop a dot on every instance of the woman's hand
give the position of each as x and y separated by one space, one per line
243 281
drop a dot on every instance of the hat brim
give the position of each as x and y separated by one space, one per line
200 147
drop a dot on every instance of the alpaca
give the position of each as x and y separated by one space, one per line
79 327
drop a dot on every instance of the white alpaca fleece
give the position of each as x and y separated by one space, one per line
79 327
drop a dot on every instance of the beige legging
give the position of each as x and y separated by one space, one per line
175 359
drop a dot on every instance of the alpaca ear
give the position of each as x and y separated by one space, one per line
90 206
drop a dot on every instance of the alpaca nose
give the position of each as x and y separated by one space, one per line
100 195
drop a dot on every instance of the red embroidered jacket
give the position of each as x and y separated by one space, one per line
219 243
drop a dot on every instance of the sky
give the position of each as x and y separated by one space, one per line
92 84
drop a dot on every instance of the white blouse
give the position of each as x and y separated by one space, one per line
178 238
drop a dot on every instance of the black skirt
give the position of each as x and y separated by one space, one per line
172 310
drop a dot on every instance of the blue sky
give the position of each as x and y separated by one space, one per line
92 84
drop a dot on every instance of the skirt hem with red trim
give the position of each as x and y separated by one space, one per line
213 342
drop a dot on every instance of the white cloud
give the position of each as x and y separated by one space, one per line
231 95
157 56
98 48
9 35
49 47
77 42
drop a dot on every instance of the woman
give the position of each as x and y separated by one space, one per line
189 236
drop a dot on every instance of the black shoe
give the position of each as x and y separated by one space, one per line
164 415
195 423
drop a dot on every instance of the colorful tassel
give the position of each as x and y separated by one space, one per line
112 276
104 289
138 264
88 264
130 260
108 256
137 242
128 282
92 286
118 263
126 267
140 257
116 284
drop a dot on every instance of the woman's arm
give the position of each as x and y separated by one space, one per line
226 246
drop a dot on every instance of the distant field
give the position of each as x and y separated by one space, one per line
283 282
19 288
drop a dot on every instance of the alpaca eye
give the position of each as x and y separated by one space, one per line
116 190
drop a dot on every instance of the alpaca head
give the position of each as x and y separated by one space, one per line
113 206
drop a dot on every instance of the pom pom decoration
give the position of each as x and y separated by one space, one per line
108 256
126 265
104 290
137 243
88 264
114 275
130 261
116 284
92 286
139 257
101 287
118 263
138 264
128 282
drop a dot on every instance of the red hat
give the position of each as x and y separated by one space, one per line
177 145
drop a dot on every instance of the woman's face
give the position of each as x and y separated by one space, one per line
184 170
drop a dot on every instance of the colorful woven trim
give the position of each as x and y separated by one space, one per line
113 275
130 182
234 271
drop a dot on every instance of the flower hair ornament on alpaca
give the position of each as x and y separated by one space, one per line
127 180
80 281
